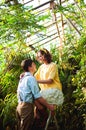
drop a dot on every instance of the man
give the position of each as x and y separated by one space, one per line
28 93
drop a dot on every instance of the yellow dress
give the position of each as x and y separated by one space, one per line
51 92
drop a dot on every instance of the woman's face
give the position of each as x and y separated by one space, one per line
40 57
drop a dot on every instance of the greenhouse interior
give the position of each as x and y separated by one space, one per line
58 26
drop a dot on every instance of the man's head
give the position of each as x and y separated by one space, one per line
28 65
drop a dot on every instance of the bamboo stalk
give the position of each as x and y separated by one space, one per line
79 9
58 5
62 24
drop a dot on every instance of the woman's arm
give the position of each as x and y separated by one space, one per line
48 81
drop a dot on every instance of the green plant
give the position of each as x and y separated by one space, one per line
7 110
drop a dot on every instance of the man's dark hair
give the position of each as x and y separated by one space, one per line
26 63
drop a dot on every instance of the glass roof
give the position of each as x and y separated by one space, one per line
55 26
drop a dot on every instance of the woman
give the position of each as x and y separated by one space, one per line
50 86
48 78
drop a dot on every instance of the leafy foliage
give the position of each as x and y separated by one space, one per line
73 78
8 106
14 24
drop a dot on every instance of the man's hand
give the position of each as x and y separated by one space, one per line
22 75
51 107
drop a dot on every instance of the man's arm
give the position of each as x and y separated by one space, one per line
42 101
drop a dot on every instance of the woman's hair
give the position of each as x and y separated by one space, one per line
25 64
46 54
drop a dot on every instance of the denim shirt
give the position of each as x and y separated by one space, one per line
28 89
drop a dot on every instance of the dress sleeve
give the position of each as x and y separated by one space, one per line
52 71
